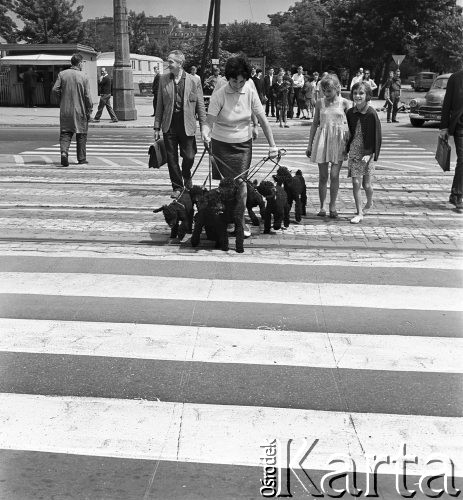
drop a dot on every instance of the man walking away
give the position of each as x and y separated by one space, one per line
154 89
73 90
29 83
298 83
105 97
452 124
180 99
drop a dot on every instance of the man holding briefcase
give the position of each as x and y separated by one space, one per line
452 124
180 99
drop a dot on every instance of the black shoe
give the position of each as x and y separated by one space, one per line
152 115
456 200
64 160
395 121
95 120
188 183
115 121
389 121
82 162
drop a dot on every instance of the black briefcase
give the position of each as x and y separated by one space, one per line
157 154
443 154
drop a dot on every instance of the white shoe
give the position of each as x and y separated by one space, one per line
186 238
246 231
356 219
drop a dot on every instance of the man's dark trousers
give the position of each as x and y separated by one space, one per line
457 185
105 100
81 144
270 104
29 94
174 139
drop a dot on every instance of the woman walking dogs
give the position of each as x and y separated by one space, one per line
229 123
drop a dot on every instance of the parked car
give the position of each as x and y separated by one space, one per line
429 107
423 81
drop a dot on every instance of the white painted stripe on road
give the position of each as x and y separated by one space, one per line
218 434
207 290
19 160
108 162
230 345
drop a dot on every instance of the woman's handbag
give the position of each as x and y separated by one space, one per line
443 154
157 154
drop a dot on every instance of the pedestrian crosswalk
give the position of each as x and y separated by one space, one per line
190 362
133 367
397 153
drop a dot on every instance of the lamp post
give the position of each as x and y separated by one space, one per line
124 102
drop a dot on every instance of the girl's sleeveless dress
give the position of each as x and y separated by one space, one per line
332 134
356 166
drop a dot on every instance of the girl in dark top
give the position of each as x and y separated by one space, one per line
363 146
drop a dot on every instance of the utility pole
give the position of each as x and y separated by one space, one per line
124 102
206 41
215 40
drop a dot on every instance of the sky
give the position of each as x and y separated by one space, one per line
193 11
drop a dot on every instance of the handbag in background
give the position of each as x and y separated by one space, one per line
157 154
443 154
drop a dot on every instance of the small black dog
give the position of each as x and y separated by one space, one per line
212 217
277 205
228 188
293 188
254 199
178 215
301 179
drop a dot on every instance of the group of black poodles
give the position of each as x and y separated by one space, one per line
217 209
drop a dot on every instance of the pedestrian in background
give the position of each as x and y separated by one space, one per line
288 77
452 124
394 85
328 139
308 92
105 97
363 146
230 124
180 100
259 84
30 78
298 83
366 79
194 74
269 80
154 89
358 76
280 91
73 91
211 82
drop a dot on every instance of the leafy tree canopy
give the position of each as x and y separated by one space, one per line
49 21
7 25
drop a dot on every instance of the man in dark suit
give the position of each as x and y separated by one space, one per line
30 78
154 89
452 124
105 97
180 99
269 80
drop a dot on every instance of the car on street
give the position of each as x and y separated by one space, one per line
429 107
423 81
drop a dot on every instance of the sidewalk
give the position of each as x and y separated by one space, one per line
49 117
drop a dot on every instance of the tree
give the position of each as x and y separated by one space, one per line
254 40
7 25
138 39
305 32
49 21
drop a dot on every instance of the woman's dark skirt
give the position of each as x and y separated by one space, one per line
231 158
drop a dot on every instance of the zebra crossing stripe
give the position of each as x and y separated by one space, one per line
216 434
230 345
211 290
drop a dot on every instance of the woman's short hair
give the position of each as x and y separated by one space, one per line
365 87
330 81
236 66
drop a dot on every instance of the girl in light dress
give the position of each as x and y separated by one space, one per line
328 139
363 146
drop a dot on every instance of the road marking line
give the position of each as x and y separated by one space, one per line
217 434
47 159
19 160
108 162
207 290
230 345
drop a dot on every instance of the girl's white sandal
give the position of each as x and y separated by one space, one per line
356 219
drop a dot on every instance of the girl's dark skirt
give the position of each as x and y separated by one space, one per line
232 158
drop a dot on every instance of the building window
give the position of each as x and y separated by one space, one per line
139 65
132 62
